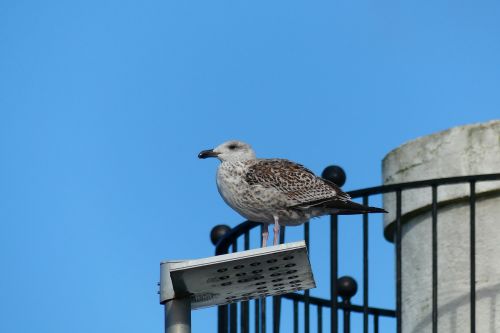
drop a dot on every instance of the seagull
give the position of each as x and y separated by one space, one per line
276 191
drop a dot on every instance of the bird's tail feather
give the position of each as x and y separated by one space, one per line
343 207
366 210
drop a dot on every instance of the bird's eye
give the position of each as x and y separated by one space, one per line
233 146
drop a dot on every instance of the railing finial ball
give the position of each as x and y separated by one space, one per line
335 174
347 287
218 232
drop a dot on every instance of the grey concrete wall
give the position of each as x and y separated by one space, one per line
460 151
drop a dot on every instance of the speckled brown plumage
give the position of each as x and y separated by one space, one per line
298 183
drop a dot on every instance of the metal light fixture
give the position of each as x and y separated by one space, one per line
234 277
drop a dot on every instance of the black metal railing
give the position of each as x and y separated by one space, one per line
346 287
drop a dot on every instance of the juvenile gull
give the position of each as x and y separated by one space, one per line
276 190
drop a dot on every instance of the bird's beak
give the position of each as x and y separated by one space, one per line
207 153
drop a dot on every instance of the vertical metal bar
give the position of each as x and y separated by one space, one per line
295 316
247 240
347 320
262 300
375 324
320 319
365 268
257 315
472 203
277 299
263 315
233 308
398 262
178 315
245 307
306 293
276 314
245 311
334 321
222 314
434 261
233 313
222 318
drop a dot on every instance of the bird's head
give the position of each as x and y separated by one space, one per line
230 151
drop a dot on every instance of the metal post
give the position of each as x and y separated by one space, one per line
178 316
365 268
347 288
347 317
472 202
334 323
306 293
399 319
434 261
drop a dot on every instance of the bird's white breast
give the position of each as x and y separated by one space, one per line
247 200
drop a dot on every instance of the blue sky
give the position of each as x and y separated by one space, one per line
104 106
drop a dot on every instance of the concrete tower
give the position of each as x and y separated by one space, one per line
460 151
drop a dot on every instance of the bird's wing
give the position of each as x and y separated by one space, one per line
299 184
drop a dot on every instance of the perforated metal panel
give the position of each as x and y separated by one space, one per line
238 276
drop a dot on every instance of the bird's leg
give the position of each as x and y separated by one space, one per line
276 230
265 234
